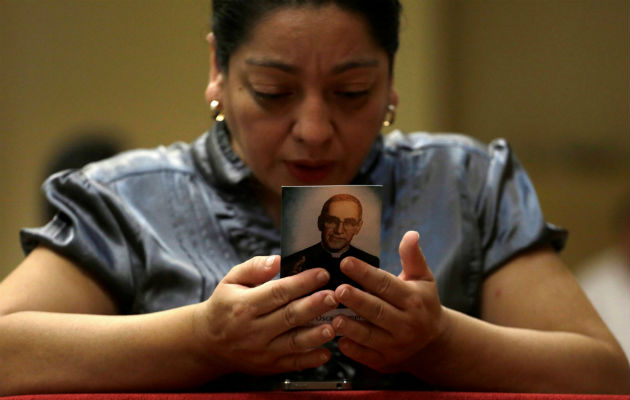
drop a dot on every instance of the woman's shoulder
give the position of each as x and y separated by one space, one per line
453 147
175 158
397 141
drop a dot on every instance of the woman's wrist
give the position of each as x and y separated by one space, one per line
432 356
204 350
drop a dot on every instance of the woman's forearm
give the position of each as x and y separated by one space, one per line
49 352
476 355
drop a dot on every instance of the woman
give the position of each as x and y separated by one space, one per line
155 273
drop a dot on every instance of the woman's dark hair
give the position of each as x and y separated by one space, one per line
232 21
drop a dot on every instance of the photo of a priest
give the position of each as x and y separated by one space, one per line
339 222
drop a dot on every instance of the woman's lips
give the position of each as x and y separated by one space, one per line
310 172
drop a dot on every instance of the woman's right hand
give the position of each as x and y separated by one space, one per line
255 325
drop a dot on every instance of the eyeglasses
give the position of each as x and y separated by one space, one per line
334 222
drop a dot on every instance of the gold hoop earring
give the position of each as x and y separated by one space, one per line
217 112
390 115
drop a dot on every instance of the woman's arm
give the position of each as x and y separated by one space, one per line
59 331
538 334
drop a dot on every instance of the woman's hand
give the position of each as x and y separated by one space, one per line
402 315
254 325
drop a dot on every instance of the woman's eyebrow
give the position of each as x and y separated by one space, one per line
270 63
337 69
369 63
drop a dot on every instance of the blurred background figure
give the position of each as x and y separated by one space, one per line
84 146
605 277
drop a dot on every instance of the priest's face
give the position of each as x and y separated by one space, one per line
340 224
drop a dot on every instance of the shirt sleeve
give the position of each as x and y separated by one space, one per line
90 227
509 213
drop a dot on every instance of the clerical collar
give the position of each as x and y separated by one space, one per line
336 254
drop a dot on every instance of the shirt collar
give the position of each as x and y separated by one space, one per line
369 163
221 166
216 159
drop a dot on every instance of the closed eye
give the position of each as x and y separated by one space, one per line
352 94
269 95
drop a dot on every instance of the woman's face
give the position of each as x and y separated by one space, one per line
305 96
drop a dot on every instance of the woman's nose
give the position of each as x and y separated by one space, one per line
313 125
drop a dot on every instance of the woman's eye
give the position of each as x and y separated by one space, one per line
269 92
269 95
353 94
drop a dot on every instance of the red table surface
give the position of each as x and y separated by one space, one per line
335 395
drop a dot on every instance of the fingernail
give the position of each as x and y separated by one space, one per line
343 293
322 276
338 323
323 357
330 301
269 261
346 263
327 333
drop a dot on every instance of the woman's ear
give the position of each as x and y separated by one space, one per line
393 96
214 89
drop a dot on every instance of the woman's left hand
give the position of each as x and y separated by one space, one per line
402 315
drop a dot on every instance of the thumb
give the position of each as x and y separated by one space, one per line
414 266
254 272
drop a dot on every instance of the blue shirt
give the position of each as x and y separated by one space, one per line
160 228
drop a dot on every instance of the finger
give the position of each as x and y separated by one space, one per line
363 355
414 265
300 340
298 312
254 272
371 308
277 293
365 334
376 281
300 361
